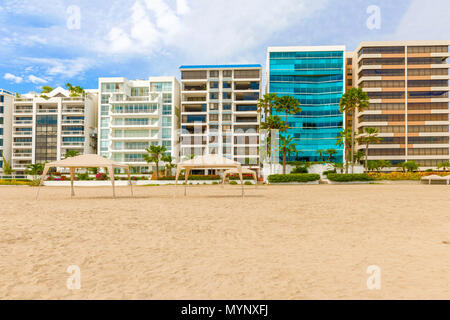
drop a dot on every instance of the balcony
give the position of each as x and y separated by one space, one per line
72 143
72 121
192 87
247 96
23 122
22 155
72 133
22 144
22 133
246 86
23 110
195 108
73 110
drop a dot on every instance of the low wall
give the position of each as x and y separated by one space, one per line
87 183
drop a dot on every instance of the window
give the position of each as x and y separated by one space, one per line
105 110
214 96
226 117
167 98
214 74
227 95
166 133
167 110
227 73
214 85
227 107
166 121
104 133
213 117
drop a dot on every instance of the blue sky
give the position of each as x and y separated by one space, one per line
41 43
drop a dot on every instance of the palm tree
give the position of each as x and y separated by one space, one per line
6 166
292 150
71 153
370 137
75 91
154 155
35 169
331 153
46 89
359 156
444 165
287 105
320 152
167 158
354 100
267 103
285 145
344 139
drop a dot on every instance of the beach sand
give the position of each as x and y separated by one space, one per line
280 242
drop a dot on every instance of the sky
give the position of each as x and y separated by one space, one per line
52 42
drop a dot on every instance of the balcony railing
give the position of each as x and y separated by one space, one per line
22 155
73 110
73 133
23 110
22 133
72 143
22 144
16 122
66 121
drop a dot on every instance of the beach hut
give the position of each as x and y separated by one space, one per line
211 161
244 171
86 161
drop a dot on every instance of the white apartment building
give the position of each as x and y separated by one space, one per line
135 114
219 111
6 103
45 126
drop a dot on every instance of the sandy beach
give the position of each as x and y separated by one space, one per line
280 242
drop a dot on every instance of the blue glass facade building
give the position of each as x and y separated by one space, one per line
315 76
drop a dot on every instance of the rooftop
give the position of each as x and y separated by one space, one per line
221 66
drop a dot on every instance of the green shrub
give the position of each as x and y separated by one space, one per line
248 183
215 182
233 182
286 178
326 173
299 169
338 177
193 178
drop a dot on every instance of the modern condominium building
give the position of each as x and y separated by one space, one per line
45 127
408 86
6 103
219 111
315 76
135 114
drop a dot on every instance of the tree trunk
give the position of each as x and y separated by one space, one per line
367 155
284 161
346 163
353 139
157 171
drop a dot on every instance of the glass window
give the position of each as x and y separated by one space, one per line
214 74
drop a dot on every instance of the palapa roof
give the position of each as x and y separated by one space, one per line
209 161
86 161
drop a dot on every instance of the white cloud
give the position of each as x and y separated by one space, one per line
12 78
36 80
425 21
202 28
67 68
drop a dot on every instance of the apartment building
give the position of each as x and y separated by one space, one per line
45 127
408 86
219 111
315 76
6 104
350 55
135 114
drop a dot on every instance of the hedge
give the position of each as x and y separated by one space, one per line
338 177
286 178
193 177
